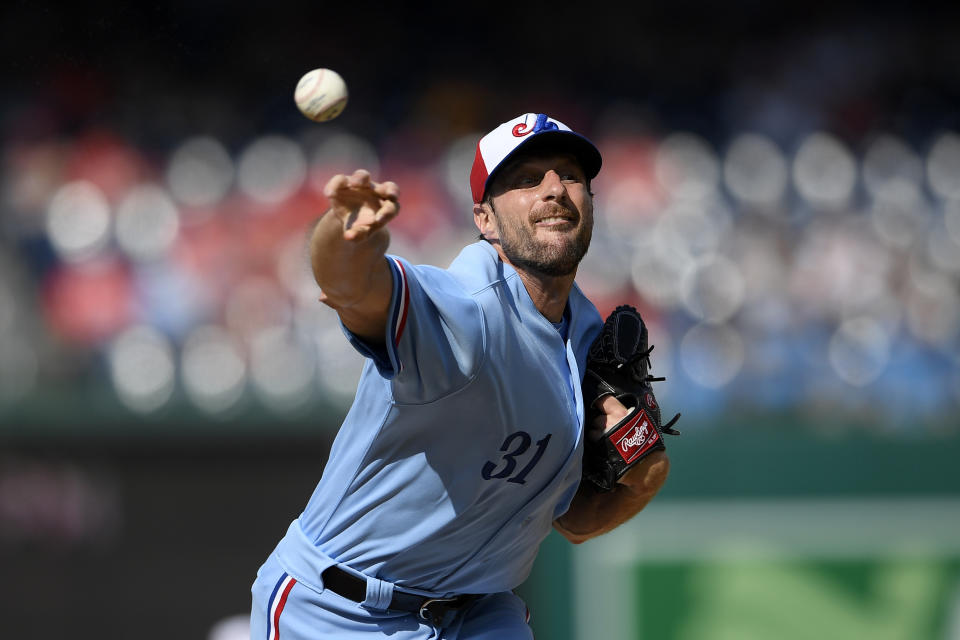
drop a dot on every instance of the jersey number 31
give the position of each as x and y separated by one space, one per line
519 441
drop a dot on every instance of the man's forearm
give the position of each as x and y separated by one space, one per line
347 249
593 513
344 269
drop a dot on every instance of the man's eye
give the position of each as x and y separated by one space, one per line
526 180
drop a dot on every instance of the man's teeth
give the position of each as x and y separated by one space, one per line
552 220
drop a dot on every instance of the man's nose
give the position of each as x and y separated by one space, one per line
552 186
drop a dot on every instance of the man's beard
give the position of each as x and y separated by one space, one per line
550 259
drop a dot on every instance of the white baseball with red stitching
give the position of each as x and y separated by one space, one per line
321 95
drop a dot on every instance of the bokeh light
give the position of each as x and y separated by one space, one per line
341 152
687 166
889 162
824 172
214 369
271 169
933 307
338 364
951 219
142 368
899 215
78 221
943 166
755 171
663 356
756 253
601 270
712 355
713 289
943 249
200 172
147 223
293 270
660 260
254 304
281 369
859 351
704 226
231 628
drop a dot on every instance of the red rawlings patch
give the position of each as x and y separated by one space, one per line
634 438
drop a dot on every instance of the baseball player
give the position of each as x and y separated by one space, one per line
463 445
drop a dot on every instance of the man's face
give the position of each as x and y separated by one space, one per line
542 211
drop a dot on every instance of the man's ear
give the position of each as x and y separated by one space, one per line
483 217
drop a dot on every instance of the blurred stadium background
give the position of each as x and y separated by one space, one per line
780 196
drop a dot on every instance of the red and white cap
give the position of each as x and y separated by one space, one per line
529 132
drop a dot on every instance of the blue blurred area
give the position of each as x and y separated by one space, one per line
780 193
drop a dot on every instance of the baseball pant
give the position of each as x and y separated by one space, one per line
288 609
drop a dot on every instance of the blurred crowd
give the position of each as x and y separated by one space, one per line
783 263
823 276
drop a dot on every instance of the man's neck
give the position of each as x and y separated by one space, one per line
549 293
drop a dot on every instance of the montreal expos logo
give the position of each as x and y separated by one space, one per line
542 124
521 130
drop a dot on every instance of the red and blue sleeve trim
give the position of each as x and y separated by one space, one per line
398 320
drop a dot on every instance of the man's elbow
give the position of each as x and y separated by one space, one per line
649 476
572 536
660 471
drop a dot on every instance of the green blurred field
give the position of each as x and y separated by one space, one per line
773 536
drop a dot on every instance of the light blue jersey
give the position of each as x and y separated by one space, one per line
464 442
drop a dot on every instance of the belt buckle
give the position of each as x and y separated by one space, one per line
433 618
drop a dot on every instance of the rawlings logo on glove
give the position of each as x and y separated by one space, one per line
631 445
618 364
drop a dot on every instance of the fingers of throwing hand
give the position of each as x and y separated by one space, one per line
361 204
387 211
358 188
346 190
356 232
388 190
362 226
334 186
360 179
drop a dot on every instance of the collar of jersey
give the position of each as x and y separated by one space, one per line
479 266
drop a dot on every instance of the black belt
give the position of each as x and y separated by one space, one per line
437 611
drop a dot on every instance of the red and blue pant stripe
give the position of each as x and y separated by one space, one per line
278 600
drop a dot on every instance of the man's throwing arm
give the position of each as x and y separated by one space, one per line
347 252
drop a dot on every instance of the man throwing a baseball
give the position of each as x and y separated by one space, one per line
464 444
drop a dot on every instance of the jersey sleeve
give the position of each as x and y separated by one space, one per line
434 340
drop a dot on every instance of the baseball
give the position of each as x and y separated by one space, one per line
321 95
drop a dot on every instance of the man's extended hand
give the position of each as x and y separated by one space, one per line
361 205
347 252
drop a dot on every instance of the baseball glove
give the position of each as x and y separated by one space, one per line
618 363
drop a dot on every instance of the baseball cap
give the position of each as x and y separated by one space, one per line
528 132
